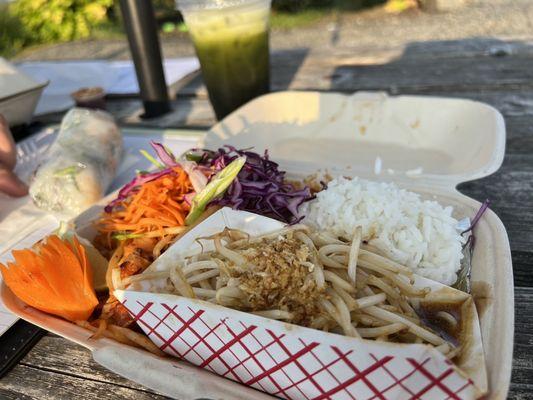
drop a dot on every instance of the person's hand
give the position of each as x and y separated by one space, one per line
9 182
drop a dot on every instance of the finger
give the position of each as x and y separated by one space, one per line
8 156
11 185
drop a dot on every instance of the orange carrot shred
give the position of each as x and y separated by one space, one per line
157 205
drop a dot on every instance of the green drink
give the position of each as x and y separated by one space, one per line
231 41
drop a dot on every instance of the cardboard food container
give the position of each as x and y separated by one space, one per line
290 361
425 144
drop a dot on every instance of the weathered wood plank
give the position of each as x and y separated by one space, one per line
24 382
428 75
523 267
56 354
419 68
423 66
522 381
509 189
462 48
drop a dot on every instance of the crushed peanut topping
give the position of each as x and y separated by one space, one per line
278 277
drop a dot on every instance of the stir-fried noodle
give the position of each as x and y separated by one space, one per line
307 278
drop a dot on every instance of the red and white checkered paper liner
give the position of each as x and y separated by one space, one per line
289 361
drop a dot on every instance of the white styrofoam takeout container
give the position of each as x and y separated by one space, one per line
19 94
426 144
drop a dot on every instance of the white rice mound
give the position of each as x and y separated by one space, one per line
420 234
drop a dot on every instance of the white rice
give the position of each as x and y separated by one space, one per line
420 234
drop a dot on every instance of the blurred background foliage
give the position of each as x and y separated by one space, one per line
59 20
12 33
29 22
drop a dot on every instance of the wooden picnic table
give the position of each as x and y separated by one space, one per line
497 72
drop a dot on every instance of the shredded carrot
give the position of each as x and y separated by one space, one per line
54 277
156 205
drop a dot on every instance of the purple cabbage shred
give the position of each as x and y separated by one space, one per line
260 186
471 239
164 155
463 276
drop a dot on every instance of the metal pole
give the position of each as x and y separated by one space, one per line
141 29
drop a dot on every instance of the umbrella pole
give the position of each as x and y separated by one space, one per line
141 29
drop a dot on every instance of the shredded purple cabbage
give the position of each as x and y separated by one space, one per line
471 239
164 156
260 186
463 275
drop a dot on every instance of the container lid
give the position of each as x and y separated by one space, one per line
437 141
13 81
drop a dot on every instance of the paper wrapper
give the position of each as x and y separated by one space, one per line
294 362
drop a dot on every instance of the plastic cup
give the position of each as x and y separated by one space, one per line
231 42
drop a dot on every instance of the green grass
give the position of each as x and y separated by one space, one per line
278 20
315 13
285 20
